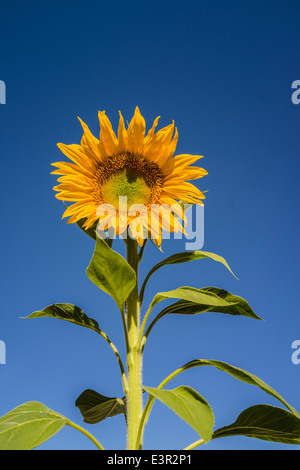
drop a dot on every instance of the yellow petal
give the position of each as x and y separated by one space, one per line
189 173
122 135
181 187
136 133
159 147
75 153
76 208
67 168
151 131
108 141
182 161
90 143
173 144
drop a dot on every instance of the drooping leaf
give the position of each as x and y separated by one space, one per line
264 422
28 426
183 258
191 294
190 406
111 273
241 375
95 407
237 305
67 312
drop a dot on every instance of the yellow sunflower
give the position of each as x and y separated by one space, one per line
132 165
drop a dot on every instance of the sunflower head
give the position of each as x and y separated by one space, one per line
136 168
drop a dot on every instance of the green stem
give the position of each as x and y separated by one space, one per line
142 292
142 250
195 444
142 339
144 336
150 403
134 363
113 347
125 327
85 432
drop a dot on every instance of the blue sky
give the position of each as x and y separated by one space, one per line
223 71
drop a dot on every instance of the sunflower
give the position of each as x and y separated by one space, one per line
131 165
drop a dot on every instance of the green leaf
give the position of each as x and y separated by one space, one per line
185 206
237 305
111 273
183 258
67 312
28 426
241 375
91 232
264 422
191 294
190 406
95 407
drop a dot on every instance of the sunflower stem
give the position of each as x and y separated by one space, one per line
85 432
149 404
134 360
194 445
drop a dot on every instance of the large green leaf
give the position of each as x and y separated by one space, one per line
95 407
191 294
183 258
111 273
237 305
190 406
67 312
28 426
264 422
242 375
73 314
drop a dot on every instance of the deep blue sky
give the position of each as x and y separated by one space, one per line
223 71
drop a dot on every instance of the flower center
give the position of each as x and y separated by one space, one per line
127 183
128 175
